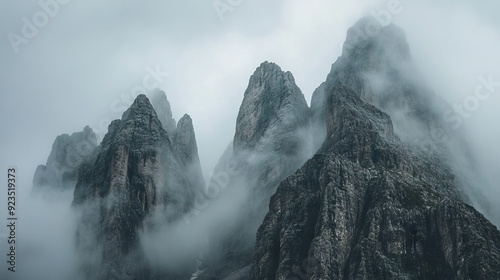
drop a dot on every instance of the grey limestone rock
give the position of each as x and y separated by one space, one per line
369 204
135 174
270 143
186 151
68 153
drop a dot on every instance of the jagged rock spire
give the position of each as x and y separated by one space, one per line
270 143
135 175
186 150
272 109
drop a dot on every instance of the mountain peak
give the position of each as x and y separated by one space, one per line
135 174
269 66
272 104
186 150
367 197
163 110
376 65
369 36
270 71
141 105
185 140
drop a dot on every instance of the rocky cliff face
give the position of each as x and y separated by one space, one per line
137 172
67 155
272 129
318 126
369 205
273 109
271 142
181 136
379 69
186 151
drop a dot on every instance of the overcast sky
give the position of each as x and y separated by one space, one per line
87 55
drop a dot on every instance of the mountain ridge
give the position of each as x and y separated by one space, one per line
351 187
372 203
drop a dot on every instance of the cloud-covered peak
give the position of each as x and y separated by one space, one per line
372 36
163 110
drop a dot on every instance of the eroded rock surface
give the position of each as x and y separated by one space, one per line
136 173
271 142
371 204
68 153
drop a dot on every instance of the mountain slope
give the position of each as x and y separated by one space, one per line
372 204
368 207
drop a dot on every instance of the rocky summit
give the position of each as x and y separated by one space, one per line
270 143
136 173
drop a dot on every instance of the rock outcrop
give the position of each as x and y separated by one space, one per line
318 126
135 174
186 151
272 130
271 142
68 153
273 109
